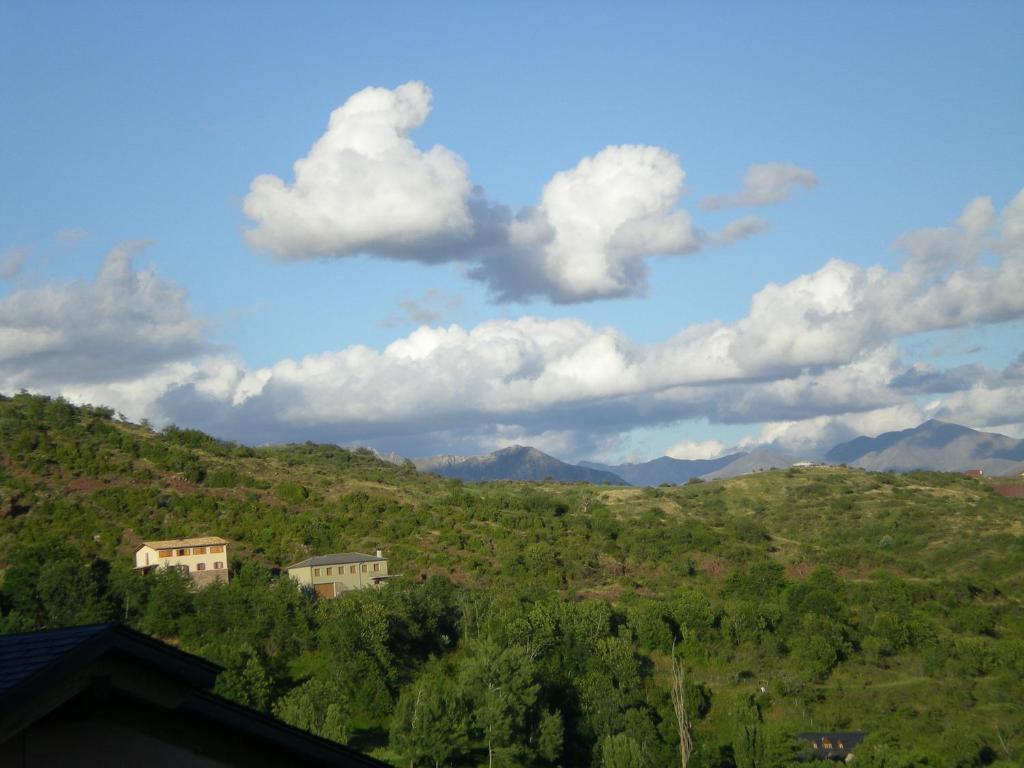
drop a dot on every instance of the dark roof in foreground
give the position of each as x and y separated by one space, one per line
30 655
338 558
21 656
40 672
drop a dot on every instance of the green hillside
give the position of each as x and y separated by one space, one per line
534 624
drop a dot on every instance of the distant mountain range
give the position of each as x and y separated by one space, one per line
515 463
756 461
934 445
664 469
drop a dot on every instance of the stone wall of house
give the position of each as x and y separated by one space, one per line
204 578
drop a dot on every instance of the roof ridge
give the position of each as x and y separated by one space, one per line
80 627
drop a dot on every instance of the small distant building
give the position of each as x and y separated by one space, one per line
833 745
331 575
975 473
204 559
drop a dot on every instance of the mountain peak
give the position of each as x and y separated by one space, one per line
516 462
936 445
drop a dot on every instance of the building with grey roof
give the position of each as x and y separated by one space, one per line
332 575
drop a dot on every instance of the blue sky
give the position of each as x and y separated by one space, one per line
149 122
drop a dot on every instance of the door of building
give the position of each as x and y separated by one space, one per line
324 590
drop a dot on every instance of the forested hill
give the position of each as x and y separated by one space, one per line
533 623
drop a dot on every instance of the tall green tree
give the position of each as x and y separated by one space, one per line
430 725
501 687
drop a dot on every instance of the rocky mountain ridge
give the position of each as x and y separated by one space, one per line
933 445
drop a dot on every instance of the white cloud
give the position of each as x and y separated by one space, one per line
121 326
596 224
1011 224
690 449
819 346
814 434
366 188
985 405
764 184
738 230
816 357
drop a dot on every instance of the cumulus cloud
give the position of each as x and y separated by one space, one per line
123 325
817 357
593 229
366 188
819 346
764 184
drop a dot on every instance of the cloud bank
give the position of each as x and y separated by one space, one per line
366 188
816 358
124 325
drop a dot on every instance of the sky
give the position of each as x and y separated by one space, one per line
611 231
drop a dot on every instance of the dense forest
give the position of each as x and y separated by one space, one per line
539 624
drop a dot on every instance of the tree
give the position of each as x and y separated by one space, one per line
683 723
317 707
749 736
621 750
246 677
550 736
500 684
51 584
168 600
430 721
